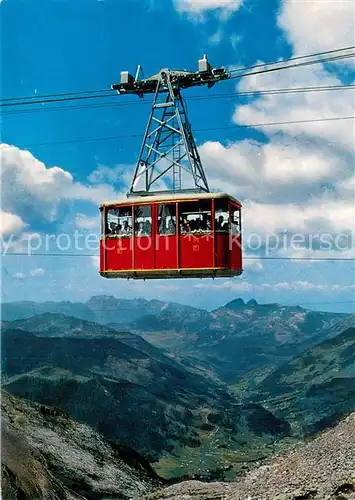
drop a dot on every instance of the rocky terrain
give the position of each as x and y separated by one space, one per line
46 455
322 469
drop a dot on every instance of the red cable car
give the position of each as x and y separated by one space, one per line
176 232
171 236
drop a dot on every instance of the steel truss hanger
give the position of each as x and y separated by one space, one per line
169 151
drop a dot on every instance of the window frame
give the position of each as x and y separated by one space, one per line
235 209
118 208
173 216
198 203
225 204
144 207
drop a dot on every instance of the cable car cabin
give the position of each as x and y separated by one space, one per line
171 236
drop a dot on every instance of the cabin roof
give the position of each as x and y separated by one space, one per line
169 197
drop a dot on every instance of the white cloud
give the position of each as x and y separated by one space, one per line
235 40
38 271
301 179
216 38
95 260
346 188
310 255
19 276
10 223
318 25
332 217
199 6
32 192
82 221
300 107
290 286
286 166
119 174
252 264
28 180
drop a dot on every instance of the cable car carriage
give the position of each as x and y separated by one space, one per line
171 236
177 232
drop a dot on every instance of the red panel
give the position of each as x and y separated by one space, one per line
166 252
118 253
196 251
102 255
222 250
235 244
144 252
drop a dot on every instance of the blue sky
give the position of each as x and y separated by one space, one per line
297 178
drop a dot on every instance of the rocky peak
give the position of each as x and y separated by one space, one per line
235 304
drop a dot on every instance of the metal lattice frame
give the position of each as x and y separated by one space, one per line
168 145
168 150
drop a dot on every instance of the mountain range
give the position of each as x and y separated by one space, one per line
131 392
228 342
191 390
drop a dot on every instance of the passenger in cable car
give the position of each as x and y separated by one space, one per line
220 223
140 230
147 228
208 223
114 228
185 226
126 230
171 227
193 225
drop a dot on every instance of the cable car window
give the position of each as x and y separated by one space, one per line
143 220
119 222
167 219
195 217
221 215
235 221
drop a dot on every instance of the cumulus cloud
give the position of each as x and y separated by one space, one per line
286 167
119 174
33 193
300 107
300 178
10 223
317 25
332 217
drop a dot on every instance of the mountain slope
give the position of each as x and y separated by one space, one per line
317 387
61 325
46 455
322 469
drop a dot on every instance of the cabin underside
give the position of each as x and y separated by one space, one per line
172 273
